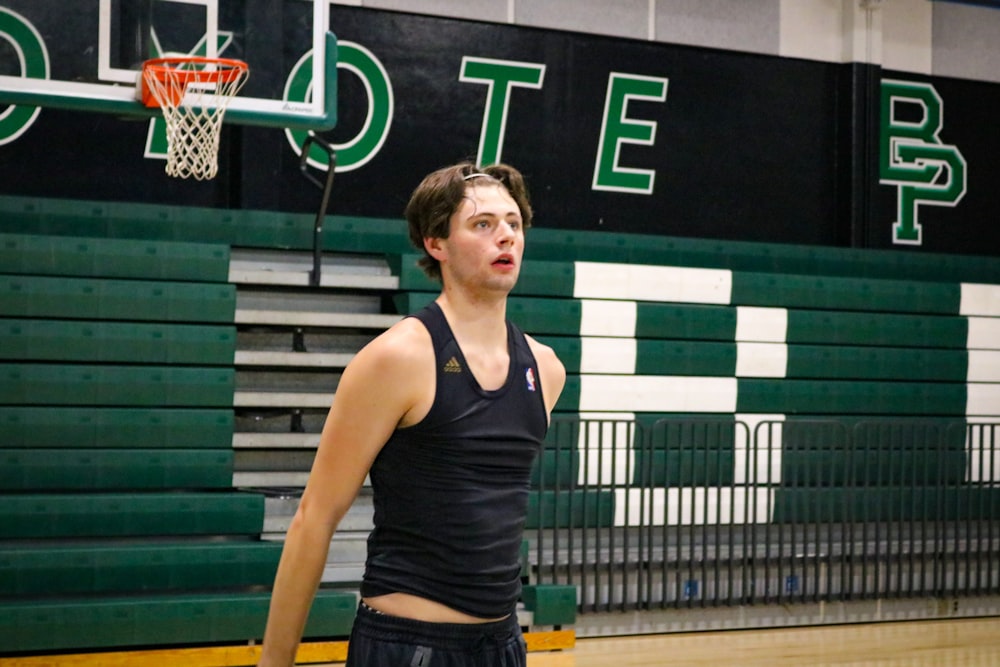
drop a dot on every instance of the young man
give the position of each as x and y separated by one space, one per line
446 410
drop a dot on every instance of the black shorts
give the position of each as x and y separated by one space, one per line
381 640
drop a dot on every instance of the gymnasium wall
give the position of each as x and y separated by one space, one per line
769 120
733 120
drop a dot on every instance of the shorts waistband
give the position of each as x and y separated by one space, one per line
447 636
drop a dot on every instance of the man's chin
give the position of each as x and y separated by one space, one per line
501 285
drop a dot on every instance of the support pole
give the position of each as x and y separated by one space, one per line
327 186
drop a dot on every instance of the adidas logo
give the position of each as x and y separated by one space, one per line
453 366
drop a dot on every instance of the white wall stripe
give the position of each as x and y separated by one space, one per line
762 325
984 333
761 360
980 299
607 355
608 318
983 399
693 505
657 393
639 282
984 366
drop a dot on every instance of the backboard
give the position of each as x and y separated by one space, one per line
86 54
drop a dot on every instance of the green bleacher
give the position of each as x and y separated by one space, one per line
43 624
115 342
95 469
112 258
119 524
100 299
190 224
38 515
101 427
266 229
102 569
116 416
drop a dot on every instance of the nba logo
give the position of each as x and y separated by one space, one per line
529 376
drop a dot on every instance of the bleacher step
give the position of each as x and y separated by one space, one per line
281 399
271 266
275 440
328 279
292 359
279 510
269 479
315 319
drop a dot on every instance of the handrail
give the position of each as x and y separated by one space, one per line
705 511
327 186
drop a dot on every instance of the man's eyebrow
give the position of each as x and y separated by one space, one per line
487 214
476 213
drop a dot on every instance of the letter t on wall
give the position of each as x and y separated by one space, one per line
499 76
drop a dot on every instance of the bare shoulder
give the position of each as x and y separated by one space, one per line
551 369
390 373
406 342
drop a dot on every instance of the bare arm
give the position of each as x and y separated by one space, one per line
385 384
551 370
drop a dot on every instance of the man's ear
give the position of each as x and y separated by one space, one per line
435 248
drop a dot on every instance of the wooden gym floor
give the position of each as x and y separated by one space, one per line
947 643
950 643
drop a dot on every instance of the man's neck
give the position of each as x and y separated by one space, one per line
480 321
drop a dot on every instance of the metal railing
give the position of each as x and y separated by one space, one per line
707 512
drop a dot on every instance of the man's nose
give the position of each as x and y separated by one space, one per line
506 233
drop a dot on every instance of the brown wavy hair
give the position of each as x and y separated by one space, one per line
440 194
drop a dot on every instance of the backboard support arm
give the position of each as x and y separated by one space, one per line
327 187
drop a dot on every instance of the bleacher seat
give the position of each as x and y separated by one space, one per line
710 384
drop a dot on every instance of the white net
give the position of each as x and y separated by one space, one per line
193 95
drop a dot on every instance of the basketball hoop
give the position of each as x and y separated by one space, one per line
193 93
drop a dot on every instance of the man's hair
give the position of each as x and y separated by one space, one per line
440 194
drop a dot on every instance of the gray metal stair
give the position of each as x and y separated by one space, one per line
293 341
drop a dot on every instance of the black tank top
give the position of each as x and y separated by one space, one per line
451 492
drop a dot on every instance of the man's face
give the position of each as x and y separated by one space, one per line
486 240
